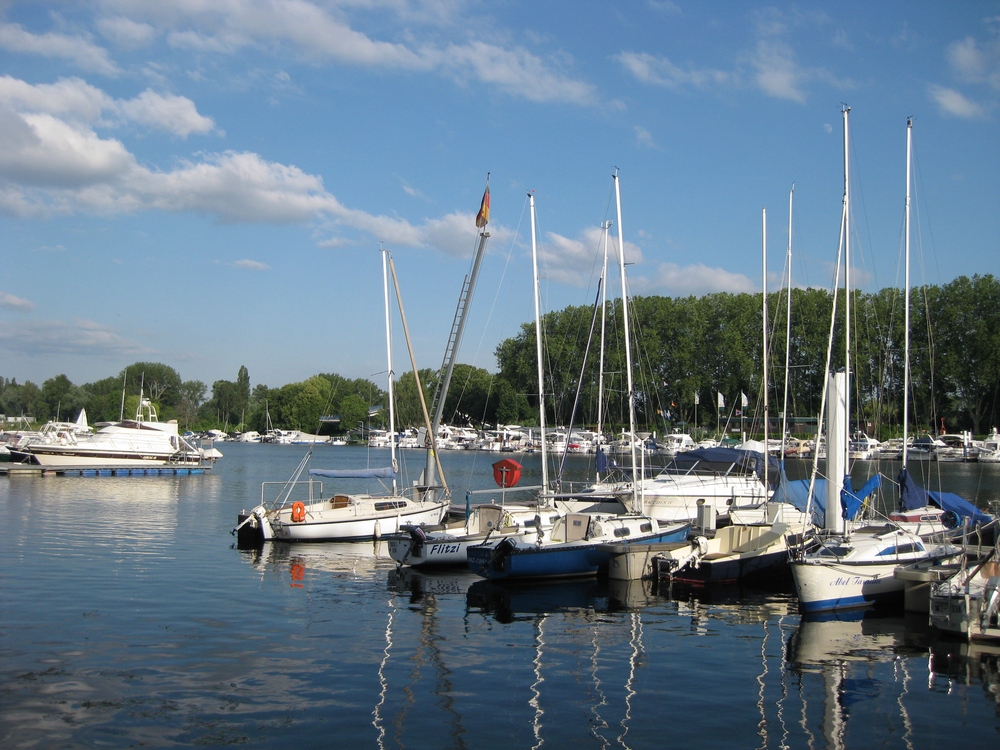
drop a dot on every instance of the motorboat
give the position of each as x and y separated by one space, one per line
738 552
143 441
723 478
989 449
967 604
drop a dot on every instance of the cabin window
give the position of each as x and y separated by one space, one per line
390 504
645 528
623 531
902 549
834 551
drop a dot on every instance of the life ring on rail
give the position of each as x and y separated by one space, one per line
298 512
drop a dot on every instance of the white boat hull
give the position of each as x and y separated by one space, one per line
353 523
821 587
58 457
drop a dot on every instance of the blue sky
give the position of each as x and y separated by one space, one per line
205 183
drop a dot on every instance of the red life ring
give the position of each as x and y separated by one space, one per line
298 512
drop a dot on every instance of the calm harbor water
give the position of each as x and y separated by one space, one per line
128 618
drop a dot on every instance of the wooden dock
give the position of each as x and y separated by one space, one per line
9 469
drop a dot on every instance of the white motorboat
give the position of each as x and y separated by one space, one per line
143 441
723 478
967 604
989 449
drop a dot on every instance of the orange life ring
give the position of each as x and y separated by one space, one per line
298 512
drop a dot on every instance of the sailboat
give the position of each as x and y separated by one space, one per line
578 543
697 478
925 512
852 567
344 516
446 543
757 542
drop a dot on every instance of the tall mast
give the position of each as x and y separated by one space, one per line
847 288
906 303
636 480
763 244
538 350
388 354
604 317
788 325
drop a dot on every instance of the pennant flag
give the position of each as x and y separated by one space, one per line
483 217
722 401
744 402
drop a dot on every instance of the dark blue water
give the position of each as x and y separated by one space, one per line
127 618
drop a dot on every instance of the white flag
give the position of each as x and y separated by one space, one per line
744 401
697 400
722 401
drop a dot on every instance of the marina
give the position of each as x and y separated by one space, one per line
129 617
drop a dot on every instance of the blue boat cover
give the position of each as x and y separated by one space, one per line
912 497
383 473
852 502
796 491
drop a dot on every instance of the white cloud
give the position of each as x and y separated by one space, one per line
77 100
644 138
15 303
954 103
126 33
660 71
771 65
577 261
251 265
39 150
55 166
697 279
77 50
974 62
67 97
175 114
778 73
517 72
79 337
317 34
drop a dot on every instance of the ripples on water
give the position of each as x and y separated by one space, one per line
128 618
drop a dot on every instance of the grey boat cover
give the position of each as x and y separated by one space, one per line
385 472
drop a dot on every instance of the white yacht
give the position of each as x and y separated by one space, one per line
143 441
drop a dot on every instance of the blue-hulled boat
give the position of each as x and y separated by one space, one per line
576 546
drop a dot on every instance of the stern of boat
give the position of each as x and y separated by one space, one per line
252 529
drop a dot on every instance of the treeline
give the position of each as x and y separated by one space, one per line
686 352
689 350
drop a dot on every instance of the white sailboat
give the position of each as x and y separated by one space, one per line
578 544
921 511
447 543
344 516
852 567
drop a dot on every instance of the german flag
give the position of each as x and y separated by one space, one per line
483 217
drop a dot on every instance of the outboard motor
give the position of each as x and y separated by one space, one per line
248 531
